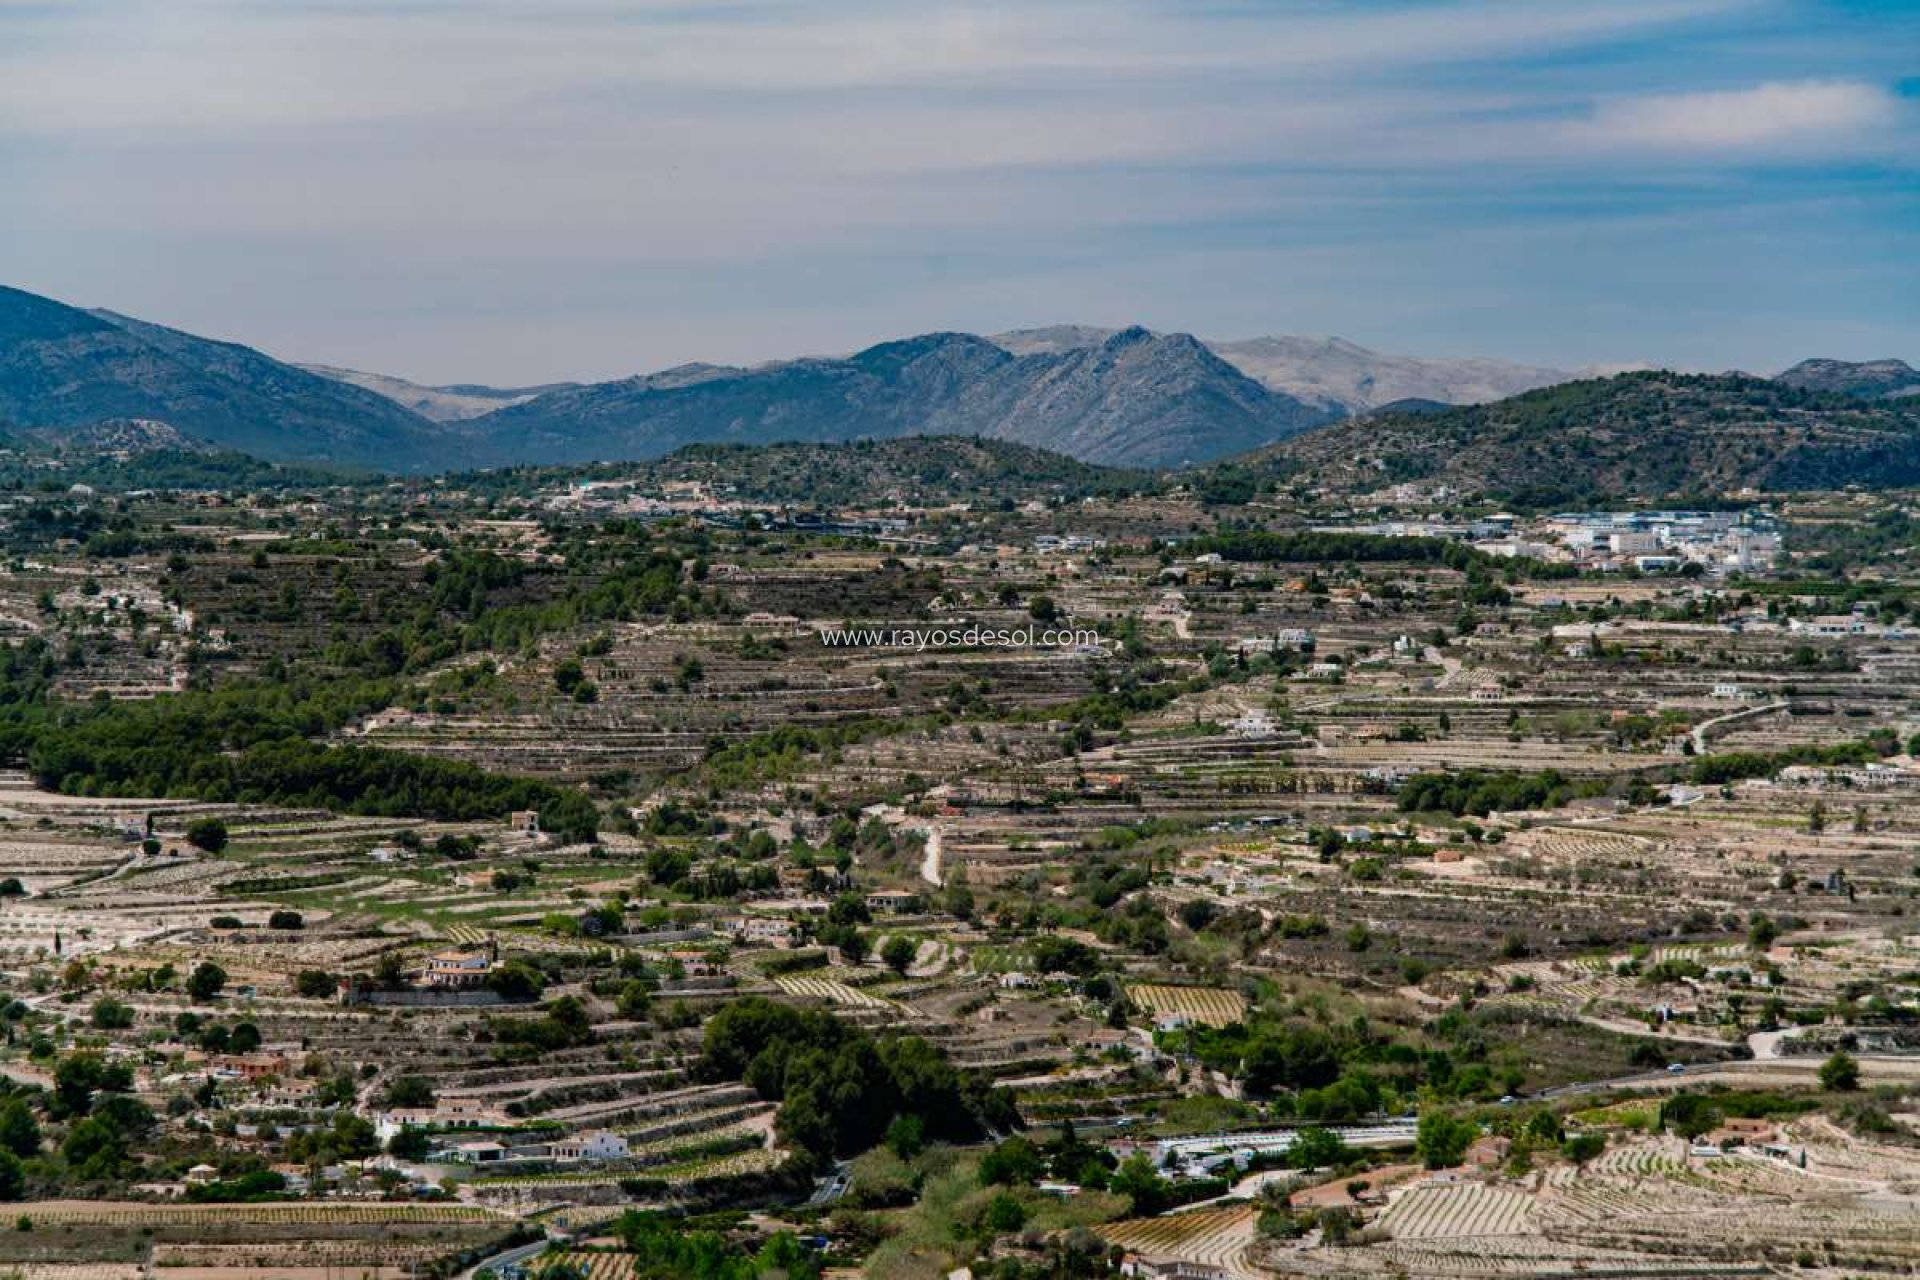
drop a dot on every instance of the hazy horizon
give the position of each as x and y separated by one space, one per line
484 192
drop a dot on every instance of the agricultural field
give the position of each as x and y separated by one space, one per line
592 1264
1217 1238
1209 1006
490 866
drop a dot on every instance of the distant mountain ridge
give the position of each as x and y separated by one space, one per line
1868 379
1116 397
454 403
1134 399
1331 374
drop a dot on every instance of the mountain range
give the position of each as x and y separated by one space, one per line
61 366
1134 398
1118 397
1331 374
455 403
1114 396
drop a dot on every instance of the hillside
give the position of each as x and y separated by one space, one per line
64 367
1332 374
126 437
1135 399
916 470
1344 375
1868 379
1132 398
1117 398
1636 435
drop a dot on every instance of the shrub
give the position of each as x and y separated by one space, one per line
112 1015
1840 1073
209 834
206 981
1441 1138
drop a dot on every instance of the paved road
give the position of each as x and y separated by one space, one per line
1884 1068
833 1186
506 1258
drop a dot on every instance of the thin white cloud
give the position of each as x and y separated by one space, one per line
235 69
1804 113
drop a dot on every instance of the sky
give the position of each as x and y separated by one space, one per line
516 191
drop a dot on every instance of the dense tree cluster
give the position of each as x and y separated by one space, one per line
1336 1074
1732 766
229 748
1332 548
1484 791
839 1088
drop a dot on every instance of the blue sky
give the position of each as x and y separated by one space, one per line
485 190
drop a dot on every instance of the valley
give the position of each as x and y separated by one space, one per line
403 877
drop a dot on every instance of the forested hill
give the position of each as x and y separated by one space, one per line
919 470
1636 435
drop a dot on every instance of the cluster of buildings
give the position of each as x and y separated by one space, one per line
1048 544
1718 542
716 506
1864 777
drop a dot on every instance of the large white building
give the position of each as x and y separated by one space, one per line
595 1144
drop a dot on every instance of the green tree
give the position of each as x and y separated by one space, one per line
1317 1148
410 1092
1583 1147
1840 1073
206 981
409 1144
906 1136
517 980
80 1077
853 944
1005 1214
1336 1225
1441 1138
95 1150
112 1015
635 999
898 954
209 834
19 1131
1688 1115
1139 1181
1015 1162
